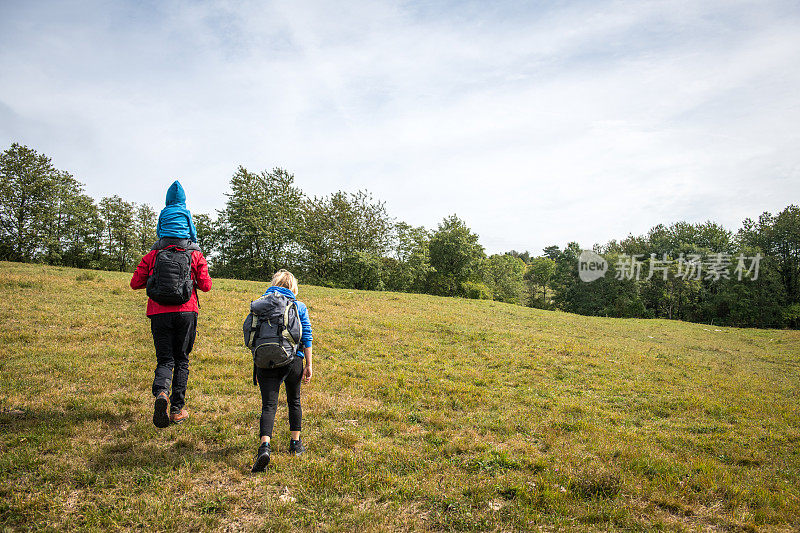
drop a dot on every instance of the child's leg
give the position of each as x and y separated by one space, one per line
270 383
293 381
183 341
161 328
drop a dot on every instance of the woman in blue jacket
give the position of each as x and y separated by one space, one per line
291 375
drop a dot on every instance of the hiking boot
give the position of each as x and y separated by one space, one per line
180 416
296 447
160 416
262 458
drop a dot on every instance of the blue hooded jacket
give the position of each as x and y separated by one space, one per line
175 220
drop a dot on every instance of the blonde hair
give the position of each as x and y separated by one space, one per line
284 278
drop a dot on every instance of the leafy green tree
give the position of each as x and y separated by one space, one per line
317 239
45 214
538 274
61 217
475 290
409 266
145 224
263 212
84 227
222 246
677 297
455 257
363 226
553 252
362 271
525 256
778 236
503 274
342 230
213 238
204 225
119 239
673 297
713 238
607 296
26 194
753 301
786 235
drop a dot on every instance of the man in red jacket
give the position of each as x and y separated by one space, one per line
173 328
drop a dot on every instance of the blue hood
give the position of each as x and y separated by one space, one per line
175 220
282 290
175 194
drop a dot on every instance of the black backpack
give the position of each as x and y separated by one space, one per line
272 331
170 281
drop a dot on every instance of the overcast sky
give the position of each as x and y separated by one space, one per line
536 122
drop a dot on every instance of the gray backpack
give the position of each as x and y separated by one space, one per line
272 331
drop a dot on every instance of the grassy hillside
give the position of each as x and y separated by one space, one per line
424 413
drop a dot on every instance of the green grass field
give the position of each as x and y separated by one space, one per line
424 413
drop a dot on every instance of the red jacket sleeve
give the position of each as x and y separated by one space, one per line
142 272
200 270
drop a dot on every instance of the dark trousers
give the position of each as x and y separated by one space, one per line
173 336
269 380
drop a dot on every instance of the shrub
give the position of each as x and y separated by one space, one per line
476 291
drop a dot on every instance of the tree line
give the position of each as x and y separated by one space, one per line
46 216
349 240
765 293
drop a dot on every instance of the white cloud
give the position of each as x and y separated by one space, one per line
582 122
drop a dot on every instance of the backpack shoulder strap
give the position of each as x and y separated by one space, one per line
155 260
299 322
253 328
286 333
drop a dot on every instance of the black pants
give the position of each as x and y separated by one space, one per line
173 336
270 382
